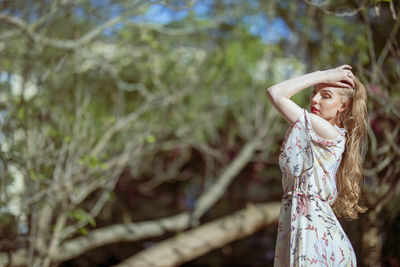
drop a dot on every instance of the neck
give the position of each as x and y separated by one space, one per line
334 122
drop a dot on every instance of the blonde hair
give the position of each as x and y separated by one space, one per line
349 174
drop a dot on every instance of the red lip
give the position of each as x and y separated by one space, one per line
313 109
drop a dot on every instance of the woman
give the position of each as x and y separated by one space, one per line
321 166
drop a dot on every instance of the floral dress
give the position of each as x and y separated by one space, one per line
309 233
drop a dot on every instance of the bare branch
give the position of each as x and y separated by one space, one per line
71 229
325 5
65 44
394 190
170 6
215 192
124 121
120 233
389 42
137 231
194 243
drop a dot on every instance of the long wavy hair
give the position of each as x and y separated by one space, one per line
349 175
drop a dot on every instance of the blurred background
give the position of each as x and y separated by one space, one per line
139 133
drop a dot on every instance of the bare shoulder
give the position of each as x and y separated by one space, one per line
323 128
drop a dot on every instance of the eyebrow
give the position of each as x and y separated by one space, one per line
327 90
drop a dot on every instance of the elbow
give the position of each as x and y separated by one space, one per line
269 90
275 94
271 93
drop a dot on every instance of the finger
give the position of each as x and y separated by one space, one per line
343 84
340 84
345 66
350 82
350 78
350 72
353 83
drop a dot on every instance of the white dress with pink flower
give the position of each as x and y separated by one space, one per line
309 233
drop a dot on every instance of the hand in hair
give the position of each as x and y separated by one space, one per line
340 76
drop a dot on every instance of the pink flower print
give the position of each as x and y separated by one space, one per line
303 205
325 239
341 252
326 143
310 227
280 227
312 261
326 261
324 255
332 257
297 126
298 142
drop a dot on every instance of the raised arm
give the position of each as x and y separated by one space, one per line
280 94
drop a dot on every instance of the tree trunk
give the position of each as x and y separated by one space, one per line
372 240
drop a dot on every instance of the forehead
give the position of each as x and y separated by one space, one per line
327 88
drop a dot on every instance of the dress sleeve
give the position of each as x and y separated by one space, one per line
296 152
315 137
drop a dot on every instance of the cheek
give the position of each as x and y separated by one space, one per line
330 105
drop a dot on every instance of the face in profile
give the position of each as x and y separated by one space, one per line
326 102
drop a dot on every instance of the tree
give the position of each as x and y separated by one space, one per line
102 107
71 146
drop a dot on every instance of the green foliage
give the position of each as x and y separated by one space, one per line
150 139
81 215
92 162
88 91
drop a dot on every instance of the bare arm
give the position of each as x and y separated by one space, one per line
280 94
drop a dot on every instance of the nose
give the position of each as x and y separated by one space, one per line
315 99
